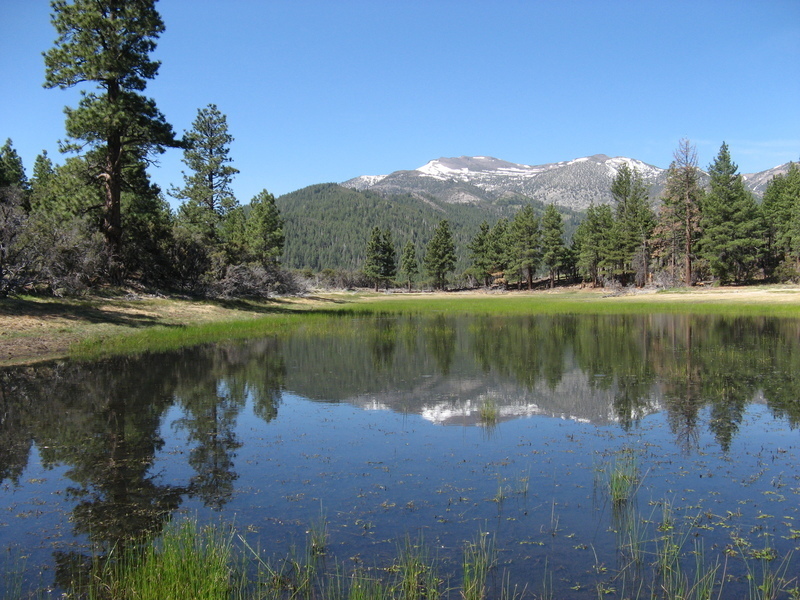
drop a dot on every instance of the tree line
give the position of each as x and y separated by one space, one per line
97 218
717 232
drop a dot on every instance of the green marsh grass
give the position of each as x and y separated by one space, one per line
282 320
480 557
488 413
417 573
623 477
187 561
205 563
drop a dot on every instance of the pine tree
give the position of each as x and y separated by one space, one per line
525 243
264 230
733 230
440 255
499 248
679 222
108 43
781 198
42 182
480 250
634 221
552 241
592 241
408 264
12 173
379 264
207 187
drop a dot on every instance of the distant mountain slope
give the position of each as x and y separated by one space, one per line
485 180
327 225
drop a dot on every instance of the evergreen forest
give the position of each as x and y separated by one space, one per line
96 219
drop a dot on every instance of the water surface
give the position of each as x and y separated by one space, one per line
375 424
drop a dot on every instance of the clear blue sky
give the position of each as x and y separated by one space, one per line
325 90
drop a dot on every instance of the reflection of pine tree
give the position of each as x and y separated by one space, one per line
382 340
440 335
103 423
16 415
210 419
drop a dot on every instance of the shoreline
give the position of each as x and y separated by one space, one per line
39 329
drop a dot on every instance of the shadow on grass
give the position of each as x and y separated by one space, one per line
92 311
75 310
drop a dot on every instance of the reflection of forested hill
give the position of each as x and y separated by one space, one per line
600 369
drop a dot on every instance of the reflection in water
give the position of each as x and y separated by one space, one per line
104 422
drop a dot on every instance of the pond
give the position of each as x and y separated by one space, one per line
440 430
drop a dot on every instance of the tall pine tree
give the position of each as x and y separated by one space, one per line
264 230
633 223
525 243
408 264
108 43
552 241
780 206
679 226
733 229
480 250
440 255
207 193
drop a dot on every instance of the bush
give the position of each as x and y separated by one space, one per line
64 256
255 281
68 256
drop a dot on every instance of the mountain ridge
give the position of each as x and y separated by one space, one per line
574 184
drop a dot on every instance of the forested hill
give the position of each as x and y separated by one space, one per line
327 225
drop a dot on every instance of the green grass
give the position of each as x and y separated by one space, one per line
214 563
488 412
187 561
565 303
623 477
158 338
480 557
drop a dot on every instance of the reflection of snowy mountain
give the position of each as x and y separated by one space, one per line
450 401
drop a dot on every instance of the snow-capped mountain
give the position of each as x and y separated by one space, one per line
481 179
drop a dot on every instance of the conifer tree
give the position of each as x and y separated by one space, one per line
108 43
408 264
634 221
207 193
379 264
42 182
440 255
480 249
552 241
680 215
592 240
499 247
264 230
12 173
525 243
733 230
781 199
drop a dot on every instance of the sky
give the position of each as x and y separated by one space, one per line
325 90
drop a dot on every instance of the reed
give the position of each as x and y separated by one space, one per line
187 561
488 413
480 557
623 478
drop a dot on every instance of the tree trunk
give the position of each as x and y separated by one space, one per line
112 183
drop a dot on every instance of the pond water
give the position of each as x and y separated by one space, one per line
438 428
